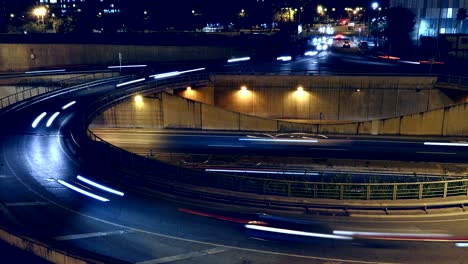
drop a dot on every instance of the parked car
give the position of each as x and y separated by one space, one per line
346 44
363 45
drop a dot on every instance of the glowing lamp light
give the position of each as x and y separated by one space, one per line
189 88
138 99
243 88
300 89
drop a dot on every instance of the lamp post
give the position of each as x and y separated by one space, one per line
40 12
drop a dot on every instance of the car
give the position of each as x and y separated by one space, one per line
363 45
346 44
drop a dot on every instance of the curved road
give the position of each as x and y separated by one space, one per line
142 228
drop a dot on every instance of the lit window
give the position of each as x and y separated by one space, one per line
442 30
449 12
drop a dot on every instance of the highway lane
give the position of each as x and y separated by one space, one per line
349 147
138 227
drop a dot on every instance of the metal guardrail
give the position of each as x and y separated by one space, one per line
156 170
48 86
153 170
454 80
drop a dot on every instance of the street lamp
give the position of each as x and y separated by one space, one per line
375 5
40 12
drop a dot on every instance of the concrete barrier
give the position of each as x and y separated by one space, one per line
129 114
181 113
353 98
30 56
219 119
42 250
455 120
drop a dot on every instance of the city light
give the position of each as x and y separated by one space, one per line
138 99
40 12
375 5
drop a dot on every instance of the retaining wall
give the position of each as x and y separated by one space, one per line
172 111
17 57
355 98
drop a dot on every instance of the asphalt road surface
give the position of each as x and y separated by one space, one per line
36 169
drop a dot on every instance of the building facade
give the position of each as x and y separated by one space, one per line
434 17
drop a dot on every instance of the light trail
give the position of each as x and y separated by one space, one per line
51 119
130 82
47 71
68 105
38 119
99 186
295 232
77 189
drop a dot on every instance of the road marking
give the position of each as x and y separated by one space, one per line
185 256
133 229
25 204
441 153
88 235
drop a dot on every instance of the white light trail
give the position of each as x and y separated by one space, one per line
238 59
48 71
51 119
173 73
193 70
381 234
127 66
68 105
130 82
280 140
38 119
311 53
97 185
410 62
284 58
97 197
446 144
164 75
461 244
264 172
294 232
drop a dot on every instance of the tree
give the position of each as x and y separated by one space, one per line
461 16
399 26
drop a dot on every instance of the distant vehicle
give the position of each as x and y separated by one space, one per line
363 45
346 44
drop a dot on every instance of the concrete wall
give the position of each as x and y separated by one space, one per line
16 57
129 114
179 113
336 97
448 121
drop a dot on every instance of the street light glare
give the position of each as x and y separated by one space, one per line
40 11
138 99
375 5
